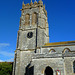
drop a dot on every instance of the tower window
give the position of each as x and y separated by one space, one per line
74 67
34 18
30 35
27 19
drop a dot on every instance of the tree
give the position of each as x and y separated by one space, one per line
5 68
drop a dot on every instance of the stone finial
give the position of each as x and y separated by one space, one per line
31 3
40 2
27 4
46 12
35 2
23 5
44 6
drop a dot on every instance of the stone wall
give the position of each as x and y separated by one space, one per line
41 64
69 65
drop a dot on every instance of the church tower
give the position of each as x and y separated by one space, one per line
32 34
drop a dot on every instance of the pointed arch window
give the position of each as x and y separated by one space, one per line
74 67
52 51
48 71
66 50
27 19
34 18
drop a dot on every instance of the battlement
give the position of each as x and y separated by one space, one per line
32 5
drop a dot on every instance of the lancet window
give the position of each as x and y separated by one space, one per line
34 18
27 19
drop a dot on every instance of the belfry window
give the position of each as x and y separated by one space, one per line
74 67
27 19
34 18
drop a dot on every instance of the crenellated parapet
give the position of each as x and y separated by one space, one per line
34 5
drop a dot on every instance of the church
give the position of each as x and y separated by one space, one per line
34 55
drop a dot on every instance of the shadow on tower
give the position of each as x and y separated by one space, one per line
29 70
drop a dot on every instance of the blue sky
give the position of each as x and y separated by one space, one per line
61 19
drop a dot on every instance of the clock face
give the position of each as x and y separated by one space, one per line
30 35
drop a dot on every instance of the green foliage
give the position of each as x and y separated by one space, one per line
5 68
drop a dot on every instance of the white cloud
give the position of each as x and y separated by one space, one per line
1 60
10 60
6 53
3 47
4 44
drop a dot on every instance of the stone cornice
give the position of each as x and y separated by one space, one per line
31 28
54 55
26 50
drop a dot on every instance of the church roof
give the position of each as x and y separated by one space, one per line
60 43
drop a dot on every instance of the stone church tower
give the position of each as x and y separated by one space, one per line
34 55
32 34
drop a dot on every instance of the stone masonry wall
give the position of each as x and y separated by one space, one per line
41 64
